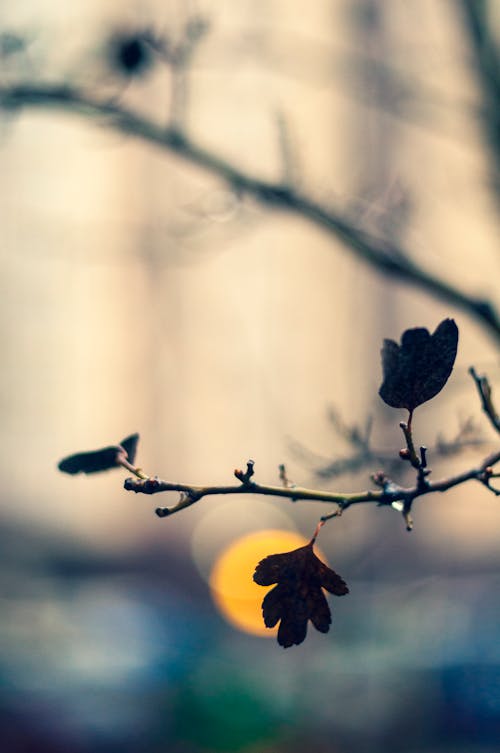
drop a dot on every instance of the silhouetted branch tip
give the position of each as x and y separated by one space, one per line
485 393
245 476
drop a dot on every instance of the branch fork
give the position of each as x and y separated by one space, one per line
245 476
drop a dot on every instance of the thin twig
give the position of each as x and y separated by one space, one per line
382 255
485 393
388 494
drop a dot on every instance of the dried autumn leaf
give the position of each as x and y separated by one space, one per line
418 369
129 444
103 459
298 595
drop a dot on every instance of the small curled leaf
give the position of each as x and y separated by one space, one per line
418 369
298 595
129 444
103 459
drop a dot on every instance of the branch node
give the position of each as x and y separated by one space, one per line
485 478
379 479
423 457
245 476
146 485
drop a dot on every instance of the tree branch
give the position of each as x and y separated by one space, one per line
388 494
383 256
485 394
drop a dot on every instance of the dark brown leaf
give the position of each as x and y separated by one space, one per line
298 597
418 369
129 444
96 461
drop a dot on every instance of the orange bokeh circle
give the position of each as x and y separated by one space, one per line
233 590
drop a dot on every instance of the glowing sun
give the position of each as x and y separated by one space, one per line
237 597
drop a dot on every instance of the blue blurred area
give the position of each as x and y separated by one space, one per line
127 653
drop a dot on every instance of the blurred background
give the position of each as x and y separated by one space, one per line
142 293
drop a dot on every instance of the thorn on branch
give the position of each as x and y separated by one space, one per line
245 476
423 457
